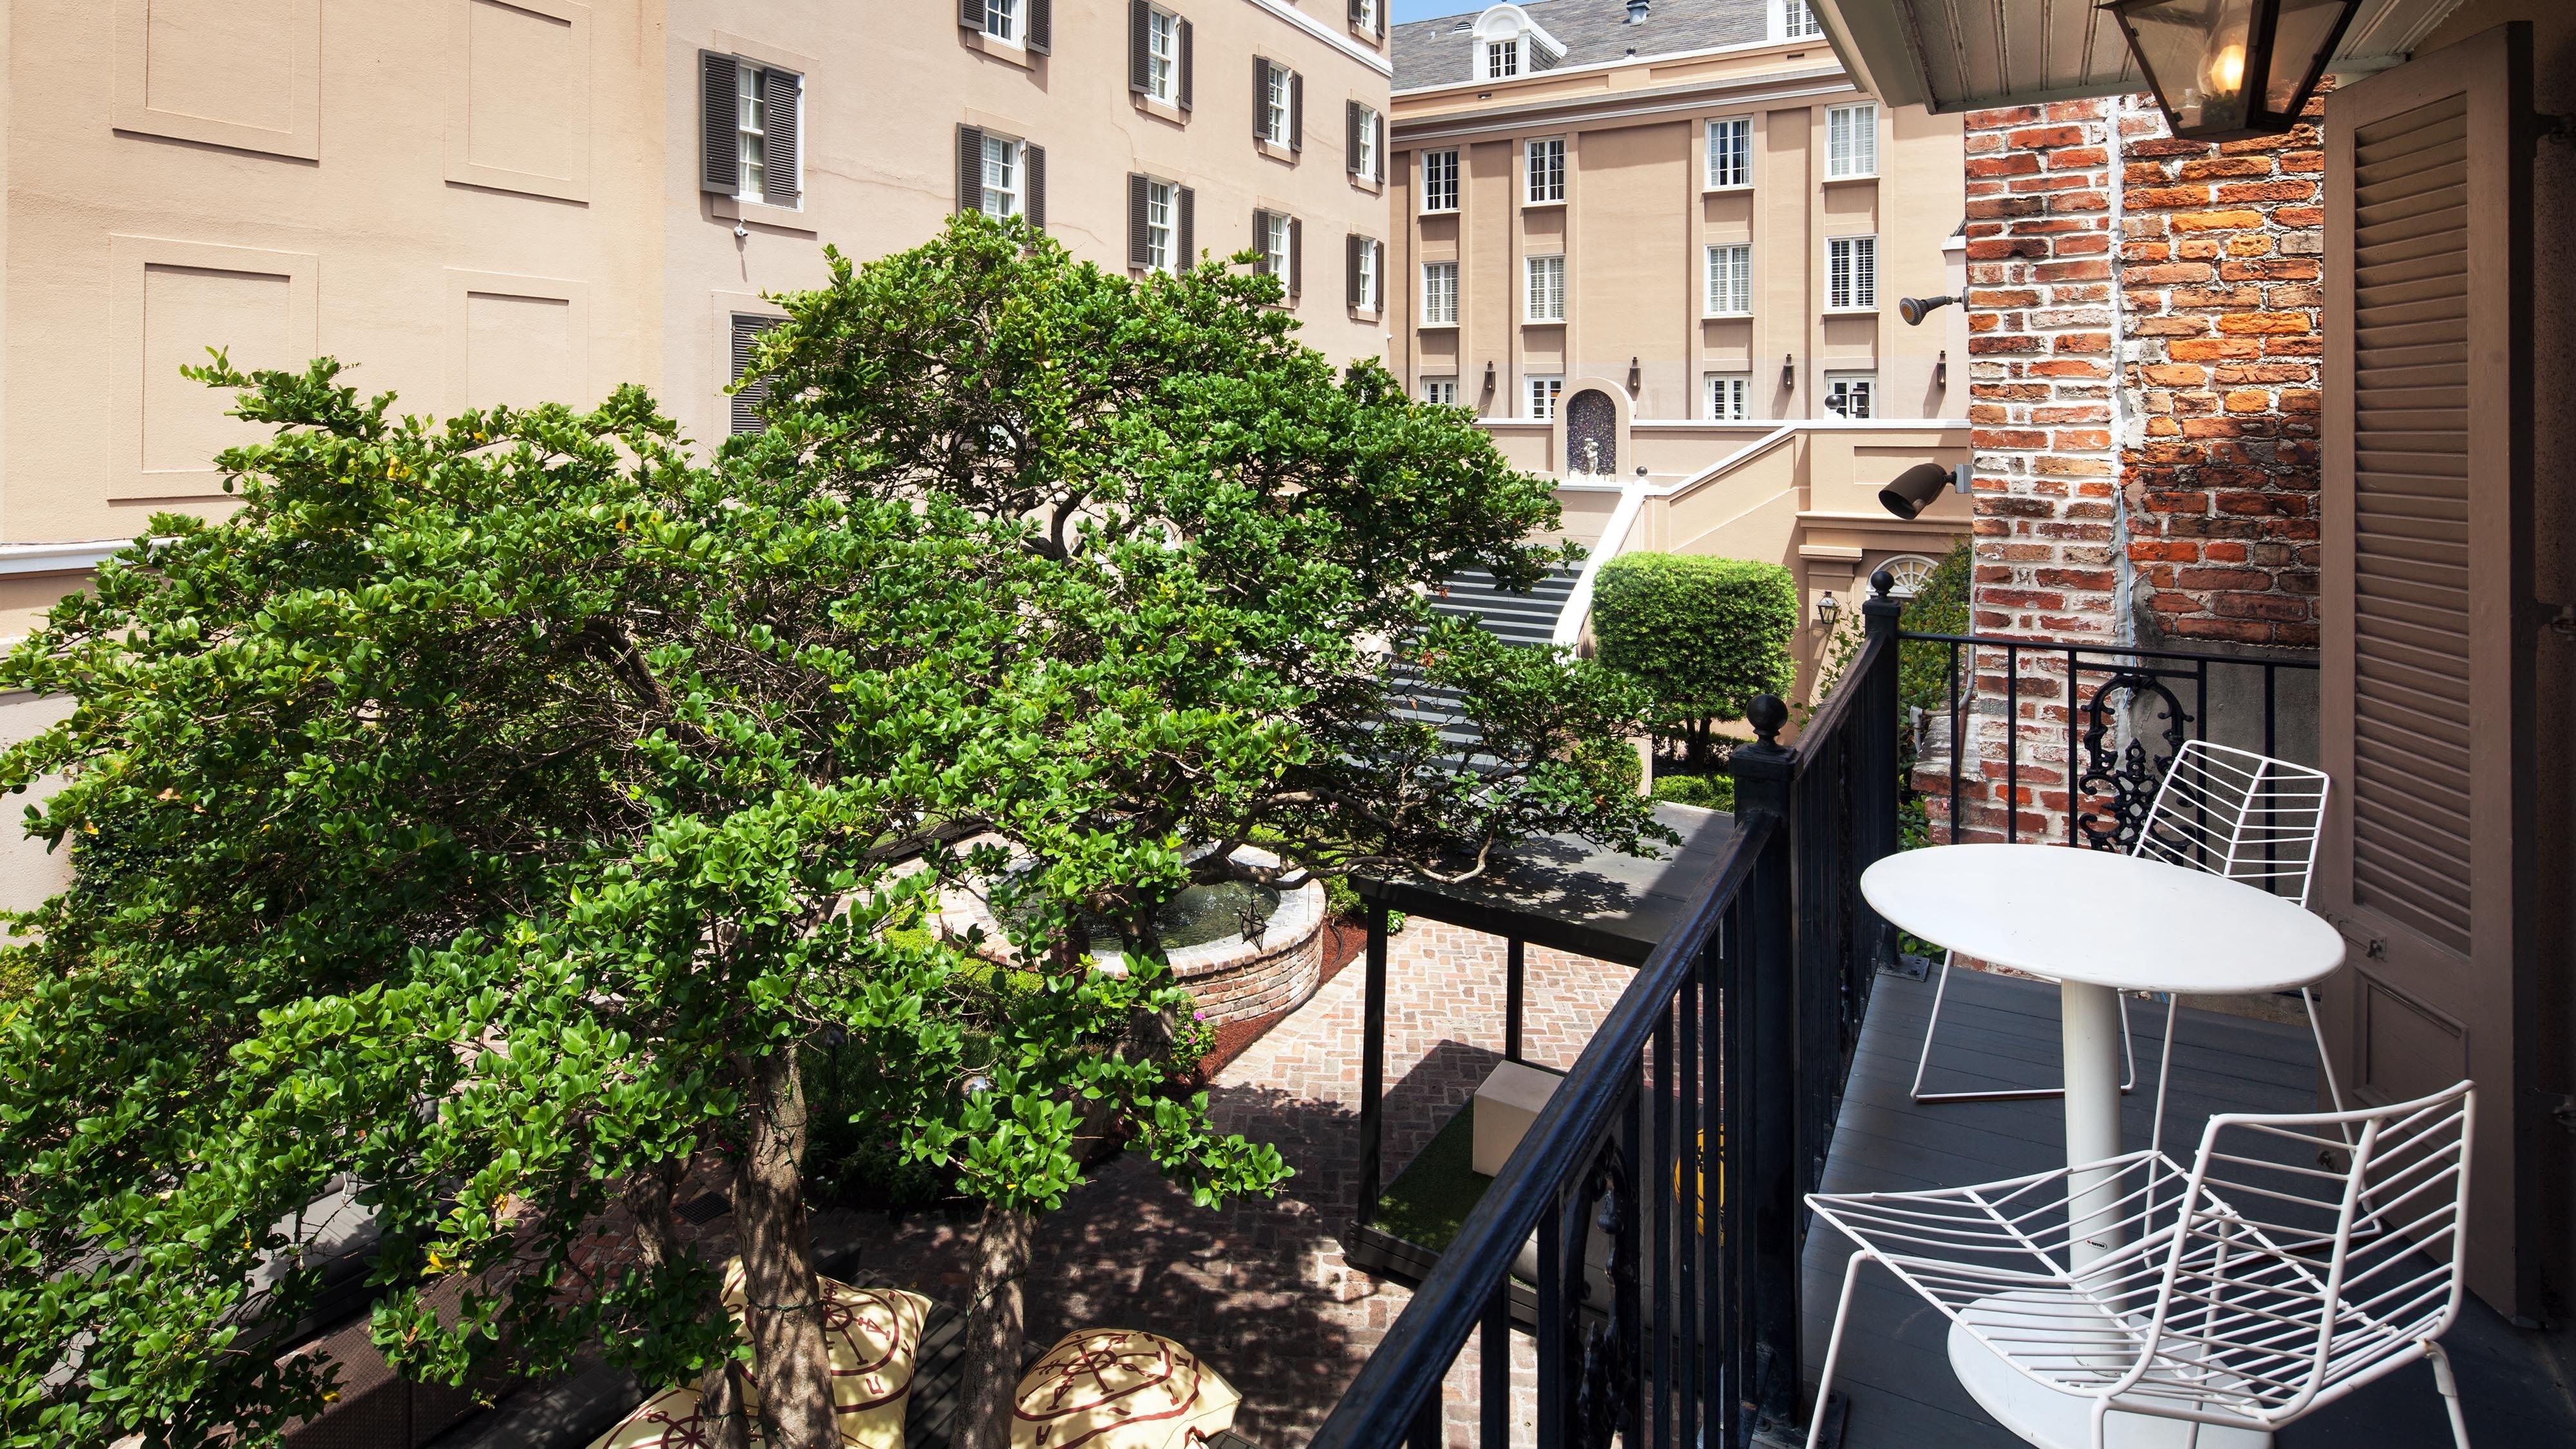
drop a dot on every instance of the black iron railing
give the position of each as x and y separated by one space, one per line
1663 1180
2022 715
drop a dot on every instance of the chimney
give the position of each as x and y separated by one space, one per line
1636 11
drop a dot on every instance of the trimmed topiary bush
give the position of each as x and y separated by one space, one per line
1704 634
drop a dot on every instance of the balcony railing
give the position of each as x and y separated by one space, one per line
1663 1179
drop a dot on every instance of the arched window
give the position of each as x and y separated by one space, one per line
1911 571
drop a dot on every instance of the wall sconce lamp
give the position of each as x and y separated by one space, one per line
2228 68
1788 372
1941 369
1915 309
1489 377
1634 376
1827 610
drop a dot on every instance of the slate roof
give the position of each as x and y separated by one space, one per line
1435 52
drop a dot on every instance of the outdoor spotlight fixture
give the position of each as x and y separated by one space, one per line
2228 68
1914 489
1827 610
1915 309
1788 372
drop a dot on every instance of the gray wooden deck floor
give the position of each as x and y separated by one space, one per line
1999 1032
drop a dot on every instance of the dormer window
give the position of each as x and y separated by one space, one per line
1505 43
1502 59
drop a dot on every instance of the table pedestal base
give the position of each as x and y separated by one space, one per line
2052 1418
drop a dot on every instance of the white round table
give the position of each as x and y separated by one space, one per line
2097 924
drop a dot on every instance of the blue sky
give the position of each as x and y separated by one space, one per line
1424 9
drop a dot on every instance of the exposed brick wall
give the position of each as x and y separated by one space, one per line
2220 260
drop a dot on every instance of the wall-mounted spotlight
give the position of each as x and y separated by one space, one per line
1788 372
1915 309
1914 489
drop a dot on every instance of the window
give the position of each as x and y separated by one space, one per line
1911 572
754 388
1276 103
1002 176
1730 279
1162 55
1278 257
1502 59
1439 181
1730 152
1364 16
1439 294
1847 394
1440 390
1546 289
1543 393
1851 141
1727 397
1851 273
1546 167
1002 20
1366 125
1364 259
751 130
1798 20
748 118
1159 219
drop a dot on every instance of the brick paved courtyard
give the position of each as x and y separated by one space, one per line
1260 1289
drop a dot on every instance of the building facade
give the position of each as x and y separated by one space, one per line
1687 199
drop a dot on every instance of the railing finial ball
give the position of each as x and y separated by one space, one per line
1766 714
1882 583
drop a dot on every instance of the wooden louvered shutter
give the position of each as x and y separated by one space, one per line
1351 264
1351 135
970 168
1186 227
1296 258
971 13
1185 64
1140 19
1296 111
1041 25
1377 274
1260 99
2427 697
1261 243
1138 255
779 93
721 139
755 387
1033 159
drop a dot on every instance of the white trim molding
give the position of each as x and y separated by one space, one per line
1325 33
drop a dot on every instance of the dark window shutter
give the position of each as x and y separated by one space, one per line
1296 258
1381 17
1296 111
1260 99
971 12
1385 143
1261 243
1359 11
1351 134
1185 65
755 387
722 171
1185 227
1136 251
1351 263
779 90
1033 161
970 168
1139 20
1377 274
1041 25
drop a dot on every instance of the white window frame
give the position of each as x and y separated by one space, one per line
1738 154
1502 59
1275 105
1006 176
1797 20
1851 141
1002 21
1162 237
1440 391
1540 393
1728 280
1851 274
1543 171
1543 288
1162 56
1277 253
1368 276
1368 17
1728 396
1861 385
750 132
1370 125
1439 182
1439 294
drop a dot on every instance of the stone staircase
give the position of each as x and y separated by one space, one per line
1521 619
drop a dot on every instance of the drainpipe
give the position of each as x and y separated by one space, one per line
2123 579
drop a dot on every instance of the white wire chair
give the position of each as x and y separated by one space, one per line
2236 1294
2226 811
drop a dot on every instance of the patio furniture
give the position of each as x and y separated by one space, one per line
1506 1102
2253 1287
2227 811
2098 924
1117 1388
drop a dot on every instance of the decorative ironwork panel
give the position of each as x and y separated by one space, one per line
2126 755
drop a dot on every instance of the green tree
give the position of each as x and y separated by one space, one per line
1703 634
488 811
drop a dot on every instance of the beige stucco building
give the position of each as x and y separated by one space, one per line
1686 198
479 201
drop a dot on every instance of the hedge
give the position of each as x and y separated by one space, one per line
1704 634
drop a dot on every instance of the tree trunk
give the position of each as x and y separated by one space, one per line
996 1328
784 1316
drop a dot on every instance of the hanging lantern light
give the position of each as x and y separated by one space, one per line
2228 68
